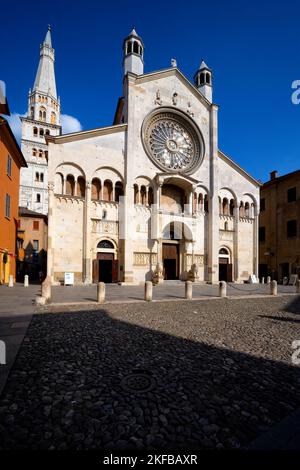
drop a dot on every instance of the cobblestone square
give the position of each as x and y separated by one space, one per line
170 375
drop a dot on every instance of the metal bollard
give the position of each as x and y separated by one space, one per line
273 288
11 281
298 286
148 291
188 290
100 292
262 280
26 280
268 279
222 289
46 288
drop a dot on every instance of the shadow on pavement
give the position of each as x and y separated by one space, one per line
85 380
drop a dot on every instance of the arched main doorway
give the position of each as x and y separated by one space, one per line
175 235
105 266
225 265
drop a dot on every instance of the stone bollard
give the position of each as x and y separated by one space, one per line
11 281
188 290
273 288
148 291
222 289
298 286
46 289
40 300
262 280
26 280
268 279
100 292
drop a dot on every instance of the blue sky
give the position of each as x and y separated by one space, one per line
252 47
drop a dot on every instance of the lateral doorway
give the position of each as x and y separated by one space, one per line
171 260
105 268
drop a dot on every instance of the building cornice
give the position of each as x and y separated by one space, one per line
40 123
65 138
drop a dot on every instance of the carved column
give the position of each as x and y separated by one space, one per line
213 215
255 243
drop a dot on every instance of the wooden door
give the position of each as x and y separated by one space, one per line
229 272
95 270
115 266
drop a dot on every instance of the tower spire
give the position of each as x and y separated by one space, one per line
133 47
203 80
45 77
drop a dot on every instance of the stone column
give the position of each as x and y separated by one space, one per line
51 232
214 223
236 273
127 213
255 243
86 241
190 202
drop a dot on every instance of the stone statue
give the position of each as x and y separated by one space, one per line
158 99
193 273
173 62
158 275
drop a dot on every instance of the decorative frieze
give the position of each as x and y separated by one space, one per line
198 260
105 226
144 259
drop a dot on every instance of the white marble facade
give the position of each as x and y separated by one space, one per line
127 200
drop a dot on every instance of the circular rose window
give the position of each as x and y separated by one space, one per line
172 141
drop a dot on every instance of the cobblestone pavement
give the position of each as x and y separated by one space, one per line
167 291
174 375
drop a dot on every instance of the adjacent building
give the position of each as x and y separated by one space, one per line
43 118
151 196
279 226
11 161
32 244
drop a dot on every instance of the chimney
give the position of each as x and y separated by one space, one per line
273 175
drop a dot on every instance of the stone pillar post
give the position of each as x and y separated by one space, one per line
268 279
148 291
188 290
11 281
262 280
26 280
100 292
222 289
51 232
86 242
273 288
298 286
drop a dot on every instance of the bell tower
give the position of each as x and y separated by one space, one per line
133 47
43 118
203 80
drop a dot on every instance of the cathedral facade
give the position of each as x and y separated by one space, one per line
151 197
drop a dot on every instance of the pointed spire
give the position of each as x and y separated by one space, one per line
47 40
203 65
45 77
133 32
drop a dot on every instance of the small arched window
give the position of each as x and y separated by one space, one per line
37 177
150 196
47 132
129 47
107 190
42 177
32 112
42 114
46 154
200 202
143 195
223 251
96 189
34 152
202 78
105 244
81 186
53 118
136 47
70 185
38 198
41 153
231 207
41 132
35 131
208 78
118 190
136 194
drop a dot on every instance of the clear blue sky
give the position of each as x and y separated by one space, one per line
253 48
